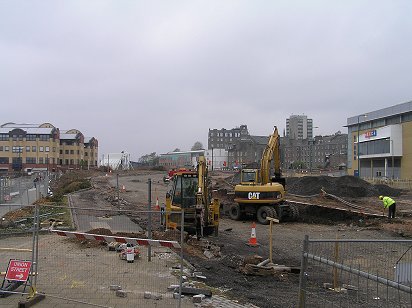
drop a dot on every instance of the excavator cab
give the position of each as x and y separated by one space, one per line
249 176
183 190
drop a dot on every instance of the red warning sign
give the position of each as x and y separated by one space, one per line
18 270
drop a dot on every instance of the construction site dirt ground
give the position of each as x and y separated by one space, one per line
318 222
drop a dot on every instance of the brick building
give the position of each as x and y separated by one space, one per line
27 147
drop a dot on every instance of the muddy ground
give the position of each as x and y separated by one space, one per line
223 271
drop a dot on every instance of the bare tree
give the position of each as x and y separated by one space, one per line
197 146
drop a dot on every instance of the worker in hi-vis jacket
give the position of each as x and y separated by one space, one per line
390 204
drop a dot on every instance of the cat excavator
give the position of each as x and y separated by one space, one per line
262 194
189 191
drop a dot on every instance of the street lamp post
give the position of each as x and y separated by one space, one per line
357 152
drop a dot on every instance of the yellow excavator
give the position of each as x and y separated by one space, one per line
189 190
261 194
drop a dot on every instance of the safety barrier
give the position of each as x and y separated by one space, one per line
115 260
395 183
356 273
108 239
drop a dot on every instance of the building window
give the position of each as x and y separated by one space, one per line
1 148
4 160
66 161
66 151
4 137
17 149
47 149
30 160
61 151
86 154
31 137
71 151
27 149
41 149
71 161
54 149
34 148
44 137
40 160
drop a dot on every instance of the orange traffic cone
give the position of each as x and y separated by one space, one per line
157 204
252 241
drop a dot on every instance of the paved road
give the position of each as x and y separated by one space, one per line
119 223
88 220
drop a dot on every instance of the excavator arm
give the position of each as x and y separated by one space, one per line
270 153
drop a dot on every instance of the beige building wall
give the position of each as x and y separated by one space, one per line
407 151
46 152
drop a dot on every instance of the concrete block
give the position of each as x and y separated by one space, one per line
350 287
176 295
157 296
208 254
172 287
198 298
121 293
147 295
115 287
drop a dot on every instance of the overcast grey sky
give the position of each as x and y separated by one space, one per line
150 76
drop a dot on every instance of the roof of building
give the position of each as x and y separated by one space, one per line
260 139
185 152
68 136
31 130
380 113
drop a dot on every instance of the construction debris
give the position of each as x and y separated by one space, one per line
121 293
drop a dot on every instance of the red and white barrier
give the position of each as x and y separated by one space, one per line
119 239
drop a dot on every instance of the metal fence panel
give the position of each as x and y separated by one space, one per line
356 273
78 270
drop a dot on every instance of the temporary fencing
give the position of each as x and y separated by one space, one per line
92 267
395 183
356 273
112 259
23 190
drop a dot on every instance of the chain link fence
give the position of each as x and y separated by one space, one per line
24 190
109 260
114 264
356 273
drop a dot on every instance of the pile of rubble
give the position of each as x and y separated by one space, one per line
344 186
116 201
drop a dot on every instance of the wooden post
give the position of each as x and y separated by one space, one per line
271 221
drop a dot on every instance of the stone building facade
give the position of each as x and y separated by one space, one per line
30 147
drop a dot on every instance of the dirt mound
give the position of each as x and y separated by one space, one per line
344 186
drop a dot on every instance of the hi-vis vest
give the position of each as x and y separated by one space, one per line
387 202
